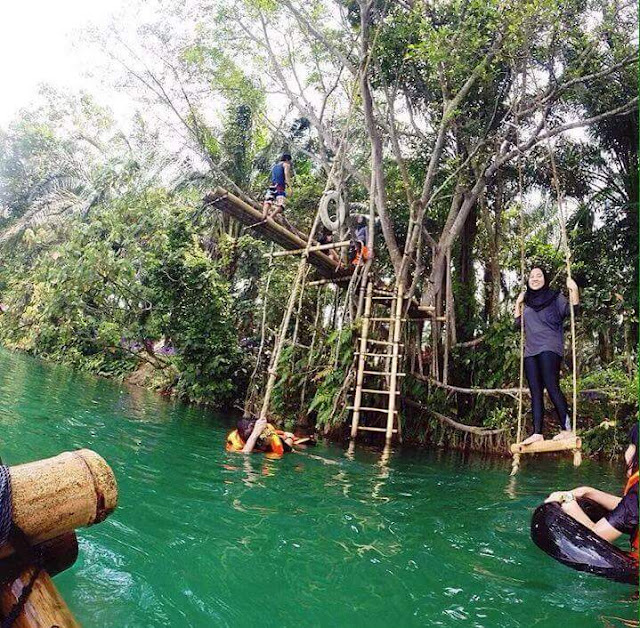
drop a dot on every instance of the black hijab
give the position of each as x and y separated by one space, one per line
541 298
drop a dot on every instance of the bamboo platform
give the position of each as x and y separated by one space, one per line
273 231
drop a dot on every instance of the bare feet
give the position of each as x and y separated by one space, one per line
564 434
534 438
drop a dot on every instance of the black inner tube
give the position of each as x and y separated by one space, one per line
574 545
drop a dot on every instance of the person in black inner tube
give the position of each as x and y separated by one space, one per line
544 313
623 511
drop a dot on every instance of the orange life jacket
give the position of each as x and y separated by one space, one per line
269 441
633 480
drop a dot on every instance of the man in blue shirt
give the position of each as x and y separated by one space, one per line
275 198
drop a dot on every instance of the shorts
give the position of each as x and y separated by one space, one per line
275 195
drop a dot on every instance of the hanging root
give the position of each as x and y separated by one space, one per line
515 465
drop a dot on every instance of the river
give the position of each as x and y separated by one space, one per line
203 538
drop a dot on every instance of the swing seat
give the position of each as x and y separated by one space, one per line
548 446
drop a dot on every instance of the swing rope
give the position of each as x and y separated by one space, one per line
516 457
564 239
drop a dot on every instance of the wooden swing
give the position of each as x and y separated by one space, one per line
573 443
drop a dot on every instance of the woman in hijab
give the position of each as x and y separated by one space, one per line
544 313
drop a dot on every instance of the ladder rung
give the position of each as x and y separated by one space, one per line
364 428
382 298
386 320
378 392
384 343
369 409
377 355
383 373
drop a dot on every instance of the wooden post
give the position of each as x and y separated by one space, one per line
364 334
394 362
54 496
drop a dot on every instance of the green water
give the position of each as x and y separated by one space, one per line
205 538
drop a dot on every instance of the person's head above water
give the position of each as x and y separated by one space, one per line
286 157
538 278
631 454
245 427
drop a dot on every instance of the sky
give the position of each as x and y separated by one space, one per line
39 43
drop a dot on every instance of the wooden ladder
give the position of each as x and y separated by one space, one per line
387 377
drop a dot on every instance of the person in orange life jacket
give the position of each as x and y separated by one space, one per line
361 238
623 511
251 434
280 180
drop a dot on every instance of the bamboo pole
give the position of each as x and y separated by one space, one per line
364 334
311 347
273 367
55 496
324 282
312 249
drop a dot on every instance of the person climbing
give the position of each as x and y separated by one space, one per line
622 517
544 313
275 198
361 237
259 435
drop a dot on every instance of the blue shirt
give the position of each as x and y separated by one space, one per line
278 177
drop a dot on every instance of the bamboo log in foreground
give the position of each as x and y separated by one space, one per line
44 608
57 555
55 496
51 498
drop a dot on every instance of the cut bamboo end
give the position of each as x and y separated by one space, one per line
548 446
54 496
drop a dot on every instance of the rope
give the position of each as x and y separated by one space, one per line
6 507
9 531
567 257
516 457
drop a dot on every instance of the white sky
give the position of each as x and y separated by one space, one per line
37 45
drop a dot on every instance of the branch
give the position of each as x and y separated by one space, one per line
471 429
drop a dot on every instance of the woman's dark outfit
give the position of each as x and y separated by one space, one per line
544 314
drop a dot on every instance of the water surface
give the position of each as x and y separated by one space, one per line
203 538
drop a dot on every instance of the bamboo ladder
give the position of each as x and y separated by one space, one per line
387 377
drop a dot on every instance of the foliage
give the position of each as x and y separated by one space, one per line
132 276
